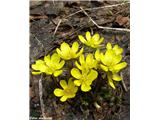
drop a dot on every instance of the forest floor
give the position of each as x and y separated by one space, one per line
53 22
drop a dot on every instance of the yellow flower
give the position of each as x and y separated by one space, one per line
86 64
92 41
68 53
69 90
111 60
50 65
84 79
111 63
117 50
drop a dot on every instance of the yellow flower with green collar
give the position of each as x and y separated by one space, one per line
83 78
66 52
50 65
92 41
86 63
68 90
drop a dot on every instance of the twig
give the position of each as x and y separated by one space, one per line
101 27
97 105
96 8
41 96
123 83
57 27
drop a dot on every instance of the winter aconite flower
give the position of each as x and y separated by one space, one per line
84 79
86 64
117 50
50 65
66 52
111 63
69 90
92 41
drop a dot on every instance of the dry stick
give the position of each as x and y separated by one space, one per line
96 8
57 27
123 83
41 97
101 27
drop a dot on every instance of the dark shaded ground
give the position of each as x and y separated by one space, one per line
44 17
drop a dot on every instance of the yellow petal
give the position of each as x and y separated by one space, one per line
77 82
103 67
82 39
109 46
38 65
57 73
111 83
55 58
85 88
88 35
41 67
98 55
92 75
65 51
58 92
89 59
47 59
95 37
116 59
63 84
59 53
117 50
100 41
36 73
65 47
79 53
81 59
75 47
108 58
71 83
78 65
119 66
35 67
40 62
60 65
76 73
63 99
116 77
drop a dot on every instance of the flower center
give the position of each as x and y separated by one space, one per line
68 91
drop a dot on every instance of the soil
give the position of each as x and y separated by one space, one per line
44 38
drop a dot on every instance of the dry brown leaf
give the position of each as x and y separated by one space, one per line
122 20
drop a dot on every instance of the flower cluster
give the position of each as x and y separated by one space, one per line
85 67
